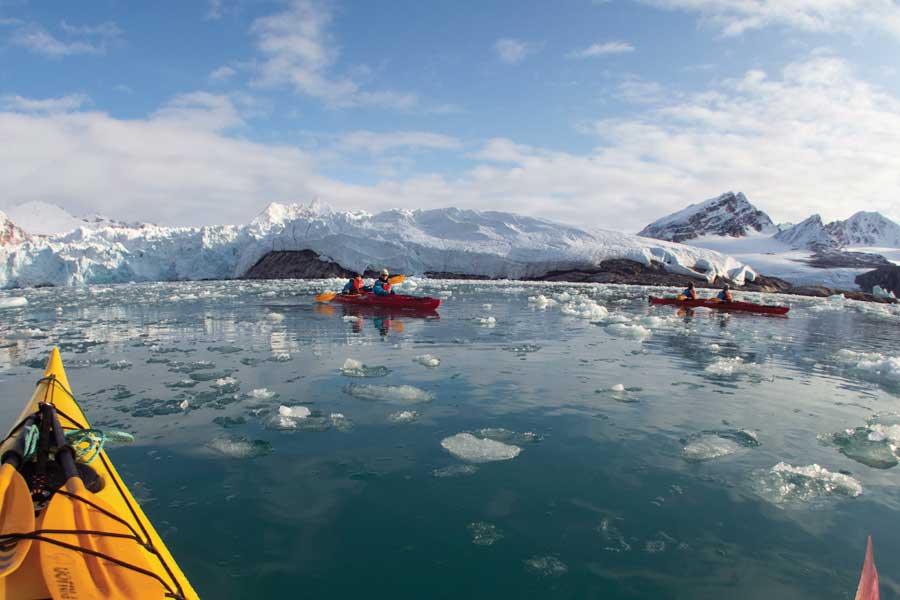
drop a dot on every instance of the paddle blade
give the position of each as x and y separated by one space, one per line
868 580
397 279
326 297
16 516
681 297
72 574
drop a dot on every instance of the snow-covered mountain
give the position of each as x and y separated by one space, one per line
808 253
729 214
446 240
862 230
809 234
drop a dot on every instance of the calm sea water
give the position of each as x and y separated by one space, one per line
660 454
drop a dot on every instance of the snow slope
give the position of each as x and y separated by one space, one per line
446 240
42 218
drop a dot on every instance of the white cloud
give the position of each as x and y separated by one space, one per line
214 10
637 90
733 17
200 110
298 52
379 143
222 74
85 39
513 51
46 105
811 138
602 49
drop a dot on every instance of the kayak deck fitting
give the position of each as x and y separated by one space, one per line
709 303
89 538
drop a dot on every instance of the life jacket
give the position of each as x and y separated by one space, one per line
386 286
690 294
357 283
723 295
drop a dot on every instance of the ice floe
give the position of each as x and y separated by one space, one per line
288 417
240 447
477 450
427 360
874 445
872 366
546 566
541 301
727 366
636 332
13 302
354 368
406 394
403 416
261 394
484 534
786 484
708 445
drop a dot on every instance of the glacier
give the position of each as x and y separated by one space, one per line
415 242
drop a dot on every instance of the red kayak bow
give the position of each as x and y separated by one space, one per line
393 301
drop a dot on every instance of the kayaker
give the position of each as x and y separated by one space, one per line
725 294
690 293
354 286
383 285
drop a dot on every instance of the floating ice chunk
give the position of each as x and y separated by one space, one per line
873 366
541 301
340 422
468 447
787 484
586 308
546 566
354 368
261 394
487 321
652 321
406 394
613 537
445 293
714 348
403 416
486 306
288 416
484 534
225 349
872 446
14 302
184 404
240 447
708 445
427 360
275 317
617 388
636 332
499 434
654 546
351 319
225 382
281 357
120 365
454 471
724 367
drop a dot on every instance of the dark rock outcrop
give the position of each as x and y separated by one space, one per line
730 214
888 277
834 259
296 264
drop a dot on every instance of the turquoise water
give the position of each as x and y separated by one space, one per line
664 488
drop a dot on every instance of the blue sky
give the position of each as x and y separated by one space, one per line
602 113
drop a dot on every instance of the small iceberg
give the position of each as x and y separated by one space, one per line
786 484
427 360
354 368
406 394
478 450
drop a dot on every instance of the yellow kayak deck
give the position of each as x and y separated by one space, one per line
129 561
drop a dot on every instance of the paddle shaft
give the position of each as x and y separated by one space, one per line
16 454
64 454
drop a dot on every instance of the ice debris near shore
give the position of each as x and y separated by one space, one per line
478 450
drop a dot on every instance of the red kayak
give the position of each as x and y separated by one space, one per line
393 301
709 303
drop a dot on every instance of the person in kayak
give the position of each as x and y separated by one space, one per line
725 294
354 286
690 293
383 285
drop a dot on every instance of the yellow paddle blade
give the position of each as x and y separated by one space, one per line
397 279
16 516
681 298
398 326
324 309
326 297
99 572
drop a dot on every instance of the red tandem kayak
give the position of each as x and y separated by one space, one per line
708 303
394 301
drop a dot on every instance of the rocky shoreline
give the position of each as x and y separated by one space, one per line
306 264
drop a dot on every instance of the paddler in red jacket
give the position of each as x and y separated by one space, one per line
354 286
